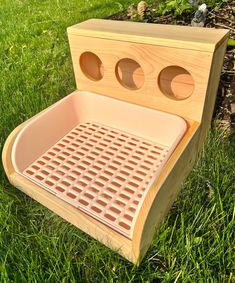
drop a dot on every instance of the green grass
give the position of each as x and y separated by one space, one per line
196 241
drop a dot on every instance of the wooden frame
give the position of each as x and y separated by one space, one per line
115 50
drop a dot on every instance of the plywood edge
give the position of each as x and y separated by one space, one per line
164 191
95 229
184 37
215 72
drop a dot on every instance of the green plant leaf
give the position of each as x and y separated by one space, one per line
231 42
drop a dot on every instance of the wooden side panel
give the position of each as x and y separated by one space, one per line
215 73
163 193
168 79
167 187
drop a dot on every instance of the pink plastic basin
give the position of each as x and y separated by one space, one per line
97 153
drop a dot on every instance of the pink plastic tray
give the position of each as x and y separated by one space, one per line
99 154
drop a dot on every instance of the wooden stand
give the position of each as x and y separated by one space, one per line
166 68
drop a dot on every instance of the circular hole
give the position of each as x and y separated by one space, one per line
129 73
176 82
91 66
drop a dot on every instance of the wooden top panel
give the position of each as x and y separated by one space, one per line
185 37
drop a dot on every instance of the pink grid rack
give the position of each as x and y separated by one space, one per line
100 170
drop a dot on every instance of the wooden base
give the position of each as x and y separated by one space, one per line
156 204
163 68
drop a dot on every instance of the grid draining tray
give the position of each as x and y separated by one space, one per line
100 170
